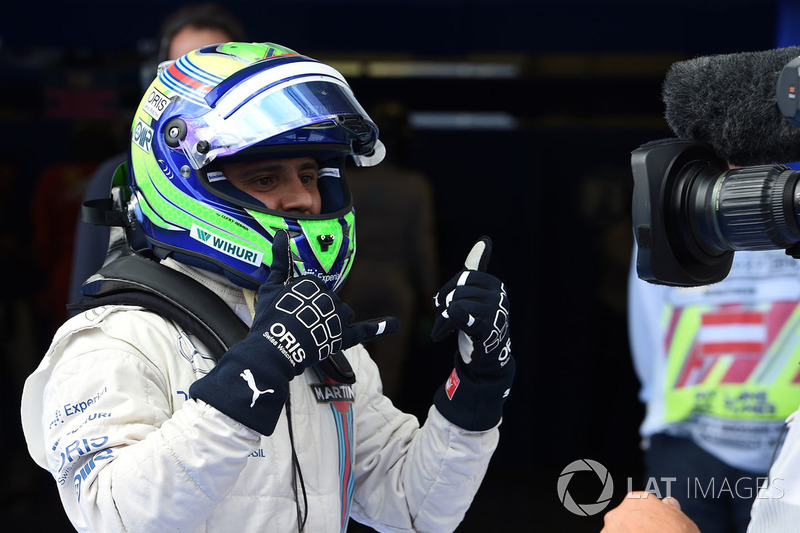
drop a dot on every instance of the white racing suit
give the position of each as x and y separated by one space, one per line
777 507
108 414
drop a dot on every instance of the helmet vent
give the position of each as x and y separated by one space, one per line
326 241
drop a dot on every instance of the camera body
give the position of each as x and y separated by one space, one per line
691 212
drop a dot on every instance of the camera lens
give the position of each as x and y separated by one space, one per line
753 208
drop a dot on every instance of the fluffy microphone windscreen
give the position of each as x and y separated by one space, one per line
729 102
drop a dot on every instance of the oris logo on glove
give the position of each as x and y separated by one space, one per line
283 339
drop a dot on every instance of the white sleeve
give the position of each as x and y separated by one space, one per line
645 305
410 478
128 463
777 507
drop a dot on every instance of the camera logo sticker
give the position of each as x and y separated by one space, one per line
586 509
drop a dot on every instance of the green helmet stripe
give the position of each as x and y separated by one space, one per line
152 216
252 52
179 208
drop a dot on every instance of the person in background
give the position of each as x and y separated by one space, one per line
776 508
187 28
719 375
397 256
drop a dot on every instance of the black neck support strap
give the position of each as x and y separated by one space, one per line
134 279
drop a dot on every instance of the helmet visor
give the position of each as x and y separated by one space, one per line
242 120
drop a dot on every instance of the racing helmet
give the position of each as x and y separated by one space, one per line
238 102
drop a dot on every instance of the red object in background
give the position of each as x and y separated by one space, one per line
56 208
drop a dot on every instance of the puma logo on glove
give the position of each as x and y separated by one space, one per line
247 375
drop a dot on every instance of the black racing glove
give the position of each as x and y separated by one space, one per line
476 304
298 322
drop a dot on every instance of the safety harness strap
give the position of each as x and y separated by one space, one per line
137 280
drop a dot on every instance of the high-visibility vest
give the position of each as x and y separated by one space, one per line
734 361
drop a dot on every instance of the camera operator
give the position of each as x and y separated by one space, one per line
714 411
717 344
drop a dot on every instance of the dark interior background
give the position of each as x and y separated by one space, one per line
578 88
